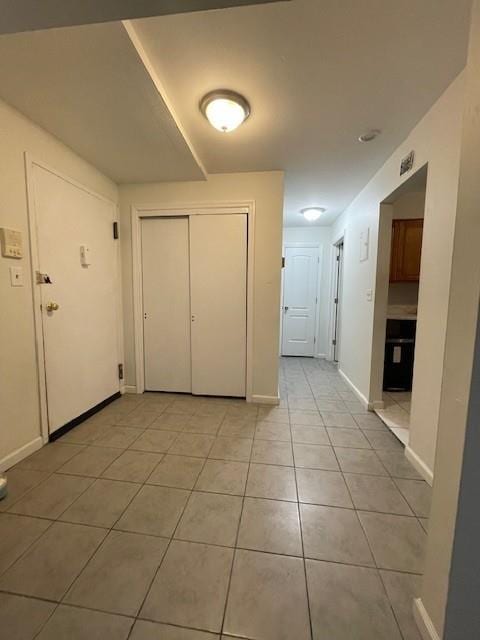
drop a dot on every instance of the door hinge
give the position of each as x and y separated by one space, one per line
120 371
115 230
335 300
314 339
338 258
334 342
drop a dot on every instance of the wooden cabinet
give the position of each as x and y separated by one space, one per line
406 250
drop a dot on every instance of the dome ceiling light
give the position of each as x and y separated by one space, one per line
224 109
312 213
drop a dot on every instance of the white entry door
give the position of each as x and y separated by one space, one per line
80 336
218 280
300 279
166 304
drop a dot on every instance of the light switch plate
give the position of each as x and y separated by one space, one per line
16 276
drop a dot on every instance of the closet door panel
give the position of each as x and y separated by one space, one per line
166 304
218 280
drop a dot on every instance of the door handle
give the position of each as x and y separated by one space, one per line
52 306
285 309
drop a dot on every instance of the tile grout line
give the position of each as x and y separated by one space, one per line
300 524
191 491
90 558
227 594
108 531
369 545
171 539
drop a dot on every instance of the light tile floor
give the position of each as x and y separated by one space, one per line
396 413
182 518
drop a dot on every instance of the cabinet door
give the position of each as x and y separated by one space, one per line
406 250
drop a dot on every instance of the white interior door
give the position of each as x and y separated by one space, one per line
81 336
166 304
300 279
218 276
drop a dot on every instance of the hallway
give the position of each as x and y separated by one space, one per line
183 518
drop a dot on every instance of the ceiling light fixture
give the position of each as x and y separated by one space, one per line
370 135
312 213
224 109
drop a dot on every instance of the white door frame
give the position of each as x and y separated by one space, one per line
304 245
30 162
190 209
339 239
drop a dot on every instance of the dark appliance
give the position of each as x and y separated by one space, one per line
399 355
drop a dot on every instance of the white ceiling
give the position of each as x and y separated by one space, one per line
317 74
28 15
89 88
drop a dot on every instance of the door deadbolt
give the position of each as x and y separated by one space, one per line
52 306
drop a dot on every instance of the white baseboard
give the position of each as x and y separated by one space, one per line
424 622
17 456
356 391
419 464
128 388
320 355
378 404
264 399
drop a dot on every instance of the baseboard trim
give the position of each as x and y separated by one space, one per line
322 356
19 454
419 464
128 388
424 622
356 391
265 399
378 404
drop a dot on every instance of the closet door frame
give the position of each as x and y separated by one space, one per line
186 210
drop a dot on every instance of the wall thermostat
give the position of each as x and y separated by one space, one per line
11 242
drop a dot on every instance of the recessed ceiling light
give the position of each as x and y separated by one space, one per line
312 213
224 109
370 135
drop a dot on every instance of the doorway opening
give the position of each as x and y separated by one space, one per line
397 292
337 300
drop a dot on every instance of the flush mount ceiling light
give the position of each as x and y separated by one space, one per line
312 213
224 109
369 135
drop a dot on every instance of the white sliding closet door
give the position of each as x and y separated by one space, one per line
218 284
166 304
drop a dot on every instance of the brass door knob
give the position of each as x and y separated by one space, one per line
52 306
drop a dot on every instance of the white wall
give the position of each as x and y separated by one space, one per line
436 141
266 189
453 560
323 237
19 400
